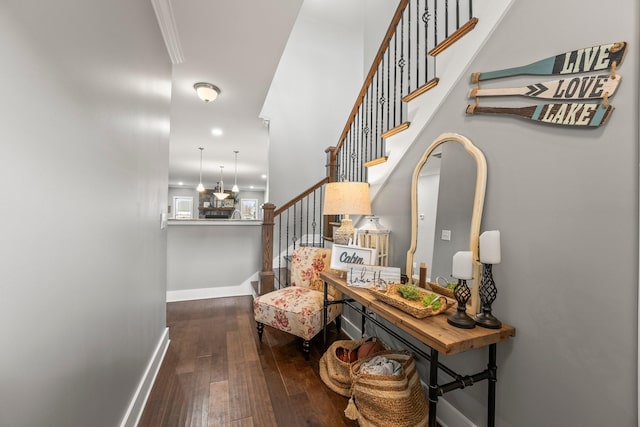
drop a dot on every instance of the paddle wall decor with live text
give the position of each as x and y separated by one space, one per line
590 93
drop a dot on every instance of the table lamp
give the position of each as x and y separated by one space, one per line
346 198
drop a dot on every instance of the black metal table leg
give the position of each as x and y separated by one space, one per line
324 316
493 378
433 387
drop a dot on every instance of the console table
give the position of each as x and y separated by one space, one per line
439 336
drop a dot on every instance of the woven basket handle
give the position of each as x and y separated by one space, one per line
442 281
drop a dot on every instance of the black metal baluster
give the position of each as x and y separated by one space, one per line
446 18
409 50
307 222
279 249
457 14
435 23
435 32
377 77
419 81
287 236
397 99
293 227
365 128
470 9
426 16
314 217
371 136
352 166
402 64
388 81
321 217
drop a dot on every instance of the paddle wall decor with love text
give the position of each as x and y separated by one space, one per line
582 90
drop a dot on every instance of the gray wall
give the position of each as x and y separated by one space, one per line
213 255
85 107
314 89
566 203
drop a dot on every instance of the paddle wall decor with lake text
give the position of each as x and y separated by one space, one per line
603 59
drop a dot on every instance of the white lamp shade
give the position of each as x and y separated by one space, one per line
462 266
347 198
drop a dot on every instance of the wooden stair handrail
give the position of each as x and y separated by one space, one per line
372 71
301 196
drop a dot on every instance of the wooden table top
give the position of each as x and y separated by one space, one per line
434 331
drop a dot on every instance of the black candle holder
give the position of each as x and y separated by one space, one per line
488 294
460 318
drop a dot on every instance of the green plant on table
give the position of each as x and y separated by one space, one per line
428 300
409 292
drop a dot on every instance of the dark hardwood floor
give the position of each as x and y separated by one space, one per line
216 373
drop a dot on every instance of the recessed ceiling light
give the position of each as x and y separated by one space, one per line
263 176
251 187
216 132
181 183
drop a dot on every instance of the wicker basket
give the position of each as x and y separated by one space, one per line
435 287
438 287
388 400
414 308
335 373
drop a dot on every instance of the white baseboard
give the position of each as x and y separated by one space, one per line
447 414
244 288
136 406
351 330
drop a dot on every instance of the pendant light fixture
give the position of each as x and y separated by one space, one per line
235 188
200 187
221 195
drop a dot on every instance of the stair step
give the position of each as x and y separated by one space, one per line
395 130
376 161
422 89
454 37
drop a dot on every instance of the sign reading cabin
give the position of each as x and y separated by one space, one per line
343 255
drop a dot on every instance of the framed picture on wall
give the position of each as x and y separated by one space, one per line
249 208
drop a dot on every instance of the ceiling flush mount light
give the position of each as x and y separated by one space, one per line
206 91
221 195
216 132
235 188
200 187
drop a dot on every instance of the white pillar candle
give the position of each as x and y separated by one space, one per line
490 247
462 266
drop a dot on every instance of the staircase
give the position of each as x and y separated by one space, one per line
422 56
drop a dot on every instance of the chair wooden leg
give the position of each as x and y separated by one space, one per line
338 323
306 346
260 330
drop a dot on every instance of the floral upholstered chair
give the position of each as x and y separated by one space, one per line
298 309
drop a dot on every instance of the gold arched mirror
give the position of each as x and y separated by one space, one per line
447 197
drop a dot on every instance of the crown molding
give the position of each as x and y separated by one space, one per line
167 23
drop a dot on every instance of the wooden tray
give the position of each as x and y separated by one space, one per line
414 308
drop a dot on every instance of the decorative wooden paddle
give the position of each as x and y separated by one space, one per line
570 114
584 87
595 58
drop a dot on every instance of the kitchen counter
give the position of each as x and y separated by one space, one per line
207 222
